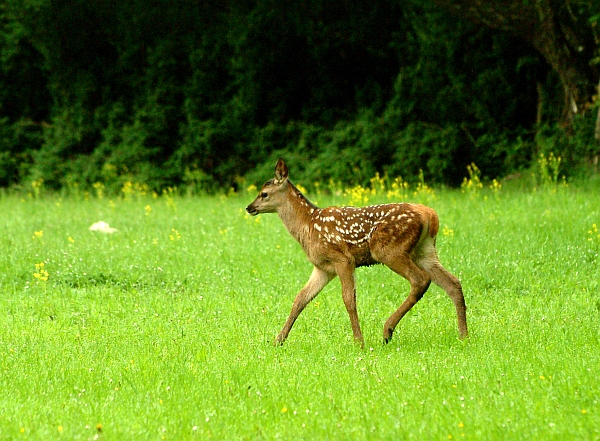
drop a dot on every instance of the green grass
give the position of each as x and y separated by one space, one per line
164 329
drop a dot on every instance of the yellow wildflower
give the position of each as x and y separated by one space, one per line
594 235
496 186
41 273
302 189
99 187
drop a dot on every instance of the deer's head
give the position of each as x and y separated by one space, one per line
273 192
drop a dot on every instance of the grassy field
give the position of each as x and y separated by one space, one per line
163 329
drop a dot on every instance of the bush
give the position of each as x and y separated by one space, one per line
575 145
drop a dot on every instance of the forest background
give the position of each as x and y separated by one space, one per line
207 94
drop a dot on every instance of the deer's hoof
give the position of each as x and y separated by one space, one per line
387 336
278 341
359 342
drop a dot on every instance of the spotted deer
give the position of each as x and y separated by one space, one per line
337 240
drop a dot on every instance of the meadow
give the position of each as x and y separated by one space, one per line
164 329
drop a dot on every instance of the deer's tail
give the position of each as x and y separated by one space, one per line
431 222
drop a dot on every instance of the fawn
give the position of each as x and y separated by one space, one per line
337 240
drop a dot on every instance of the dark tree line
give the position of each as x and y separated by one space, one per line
564 33
205 92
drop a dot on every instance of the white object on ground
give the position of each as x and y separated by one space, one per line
102 227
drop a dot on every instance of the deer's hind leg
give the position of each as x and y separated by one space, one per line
419 283
449 283
430 263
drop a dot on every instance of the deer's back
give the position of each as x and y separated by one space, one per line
356 230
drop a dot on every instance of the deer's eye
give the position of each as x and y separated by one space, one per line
264 195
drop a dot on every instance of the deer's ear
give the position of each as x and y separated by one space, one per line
281 171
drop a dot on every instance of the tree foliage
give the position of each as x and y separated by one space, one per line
201 92
564 32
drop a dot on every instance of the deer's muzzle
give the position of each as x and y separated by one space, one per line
251 209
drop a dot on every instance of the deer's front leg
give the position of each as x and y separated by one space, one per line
318 280
346 274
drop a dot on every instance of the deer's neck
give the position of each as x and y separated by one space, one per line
296 214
